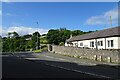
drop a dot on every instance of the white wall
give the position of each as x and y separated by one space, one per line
75 44
119 42
66 44
86 43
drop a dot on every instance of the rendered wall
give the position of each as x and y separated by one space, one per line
86 43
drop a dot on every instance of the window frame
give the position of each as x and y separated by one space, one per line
100 43
110 43
81 43
92 44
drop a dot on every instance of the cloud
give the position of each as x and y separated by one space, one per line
21 30
104 19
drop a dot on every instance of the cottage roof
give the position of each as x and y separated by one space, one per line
98 34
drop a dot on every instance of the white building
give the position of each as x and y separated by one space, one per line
103 39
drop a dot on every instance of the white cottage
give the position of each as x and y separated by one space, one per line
103 39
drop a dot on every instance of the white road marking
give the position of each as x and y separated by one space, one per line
49 56
32 58
61 59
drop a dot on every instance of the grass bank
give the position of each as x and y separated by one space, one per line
40 50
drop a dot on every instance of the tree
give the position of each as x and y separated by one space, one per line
77 32
6 44
57 36
0 43
27 36
13 41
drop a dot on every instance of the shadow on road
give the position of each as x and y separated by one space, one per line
17 67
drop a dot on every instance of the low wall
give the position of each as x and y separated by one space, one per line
101 55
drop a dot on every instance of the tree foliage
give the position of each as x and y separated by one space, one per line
14 42
56 36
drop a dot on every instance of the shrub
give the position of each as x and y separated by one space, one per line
61 43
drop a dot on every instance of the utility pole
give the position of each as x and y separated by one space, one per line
10 44
37 37
110 21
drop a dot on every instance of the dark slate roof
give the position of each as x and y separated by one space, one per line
99 34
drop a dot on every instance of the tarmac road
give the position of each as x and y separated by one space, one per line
17 66
14 67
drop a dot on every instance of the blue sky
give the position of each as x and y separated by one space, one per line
85 16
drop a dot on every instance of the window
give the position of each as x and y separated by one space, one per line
110 43
81 44
100 43
92 44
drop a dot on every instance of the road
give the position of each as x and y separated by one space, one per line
17 67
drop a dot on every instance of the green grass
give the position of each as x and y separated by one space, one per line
40 50
37 51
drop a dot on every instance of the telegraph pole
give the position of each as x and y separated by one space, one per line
111 21
37 37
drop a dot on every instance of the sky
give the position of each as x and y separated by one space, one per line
22 17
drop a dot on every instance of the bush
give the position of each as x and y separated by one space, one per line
43 46
61 43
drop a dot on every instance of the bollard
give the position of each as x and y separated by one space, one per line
109 59
95 57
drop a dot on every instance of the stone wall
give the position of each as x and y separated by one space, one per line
101 55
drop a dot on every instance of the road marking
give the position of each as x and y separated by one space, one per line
49 56
61 59
32 58
78 71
